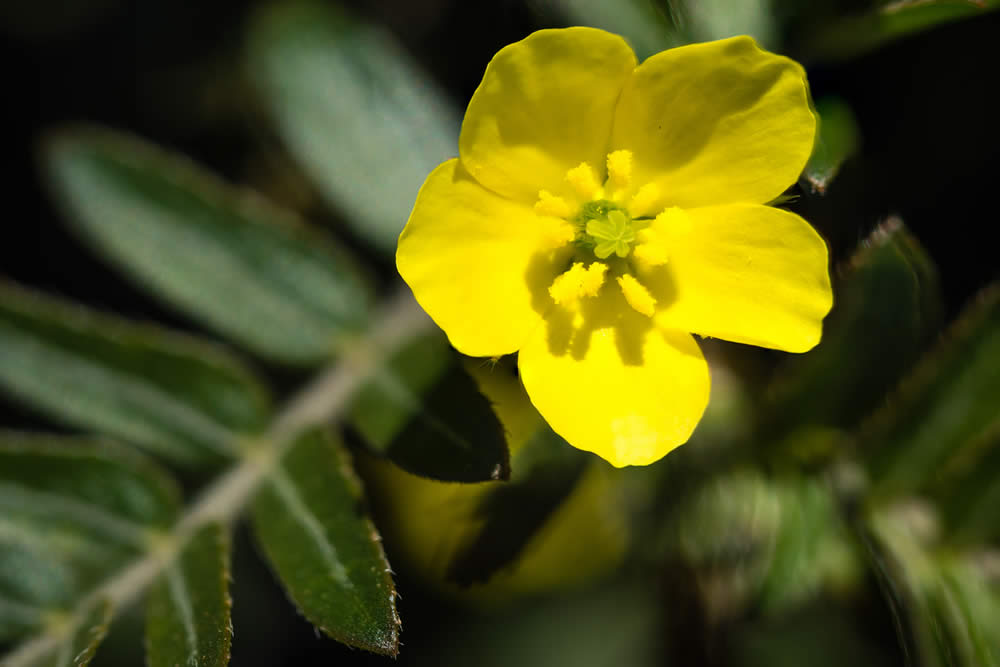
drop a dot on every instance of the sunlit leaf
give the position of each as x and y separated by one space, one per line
184 399
224 256
365 122
187 614
837 140
310 521
425 413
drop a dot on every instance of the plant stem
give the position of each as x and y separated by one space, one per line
321 401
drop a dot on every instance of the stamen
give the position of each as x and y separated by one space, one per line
584 181
620 168
559 234
578 282
551 205
645 201
637 296
673 222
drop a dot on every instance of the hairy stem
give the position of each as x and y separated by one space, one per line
322 401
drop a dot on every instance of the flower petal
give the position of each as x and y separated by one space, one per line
545 105
716 123
746 273
475 261
612 384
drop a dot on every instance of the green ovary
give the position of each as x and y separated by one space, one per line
607 229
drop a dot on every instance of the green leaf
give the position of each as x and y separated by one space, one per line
226 257
308 518
426 414
187 615
78 647
852 36
71 512
838 140
968 491
814 550
545 470
887 309
945 409
186 400
945 603
354 109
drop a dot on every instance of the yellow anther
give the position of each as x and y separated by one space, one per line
637 296
559 234
646 201
551 205
592 282
584 181
620 168
578 282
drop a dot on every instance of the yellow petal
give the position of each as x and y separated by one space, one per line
746 273
615 385
545 105
716 123
474 260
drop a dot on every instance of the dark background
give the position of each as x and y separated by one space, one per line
169 71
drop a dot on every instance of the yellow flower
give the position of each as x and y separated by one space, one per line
602 210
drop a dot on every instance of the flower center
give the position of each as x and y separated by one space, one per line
610 224
605 228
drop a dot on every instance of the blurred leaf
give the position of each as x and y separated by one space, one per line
426 414
707 20
837 140
814 550
968 491
78 648
852 36
945 408
308 518
886 310
187 613
945 605
71 512
545 470
725 533
184 399
640 22
354 108
969 599
606 627
245 268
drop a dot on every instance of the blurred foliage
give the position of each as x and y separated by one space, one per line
837 507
